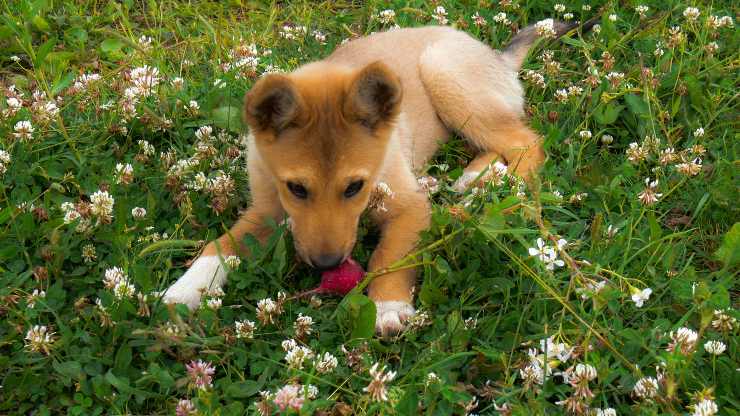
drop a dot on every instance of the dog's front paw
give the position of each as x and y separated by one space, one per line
391 316
206 273
463 182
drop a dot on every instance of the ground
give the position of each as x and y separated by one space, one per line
610 283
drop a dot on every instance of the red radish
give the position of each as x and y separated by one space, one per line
338 281
341 280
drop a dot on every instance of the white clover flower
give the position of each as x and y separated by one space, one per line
288 344
607 139
641 9
613 17
34 297
124 173
585 372
691 13
138 213
144 79
23 130
715 347
39 339
440 15
244 329
532 373
640 296
432 378
471 323
706 407
606 412
267 311
232 262
377 388
214 303
102 204
88 253
124 289
559 7
545 28
636 153
691 168
649 196
646 388
71 216
683 340
428 183
501 18
556 350
177 83
699 132
297 356
319 36
145 42
204 133
585 134
387 16
722 321
479 20
574 91
561 95
113 276
326 363
303 325
568 16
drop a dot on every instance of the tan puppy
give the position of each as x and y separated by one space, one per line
323 136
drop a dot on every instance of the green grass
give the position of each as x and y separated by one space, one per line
487 300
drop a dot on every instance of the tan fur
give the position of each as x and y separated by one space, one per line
376 110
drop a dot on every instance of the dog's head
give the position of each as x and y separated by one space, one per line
323 131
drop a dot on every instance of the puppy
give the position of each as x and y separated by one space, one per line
323 136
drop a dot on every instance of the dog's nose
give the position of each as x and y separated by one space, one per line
326 261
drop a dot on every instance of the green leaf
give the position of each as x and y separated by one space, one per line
71 369
228 118
168 246
44 50
607 114
357 313
111 47
575 42
243 389
40 23
637 104
729 252
123 357
409 403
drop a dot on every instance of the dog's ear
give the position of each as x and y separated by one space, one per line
374 96
273 104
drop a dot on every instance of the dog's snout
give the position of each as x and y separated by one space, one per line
327 261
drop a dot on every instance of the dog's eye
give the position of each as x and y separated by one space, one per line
298 190
353 189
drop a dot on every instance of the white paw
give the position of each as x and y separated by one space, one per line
206 273
391 317
463 182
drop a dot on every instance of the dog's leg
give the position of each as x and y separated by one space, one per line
406 215
524 155
476 92
207 272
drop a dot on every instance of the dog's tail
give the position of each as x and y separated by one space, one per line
525 38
